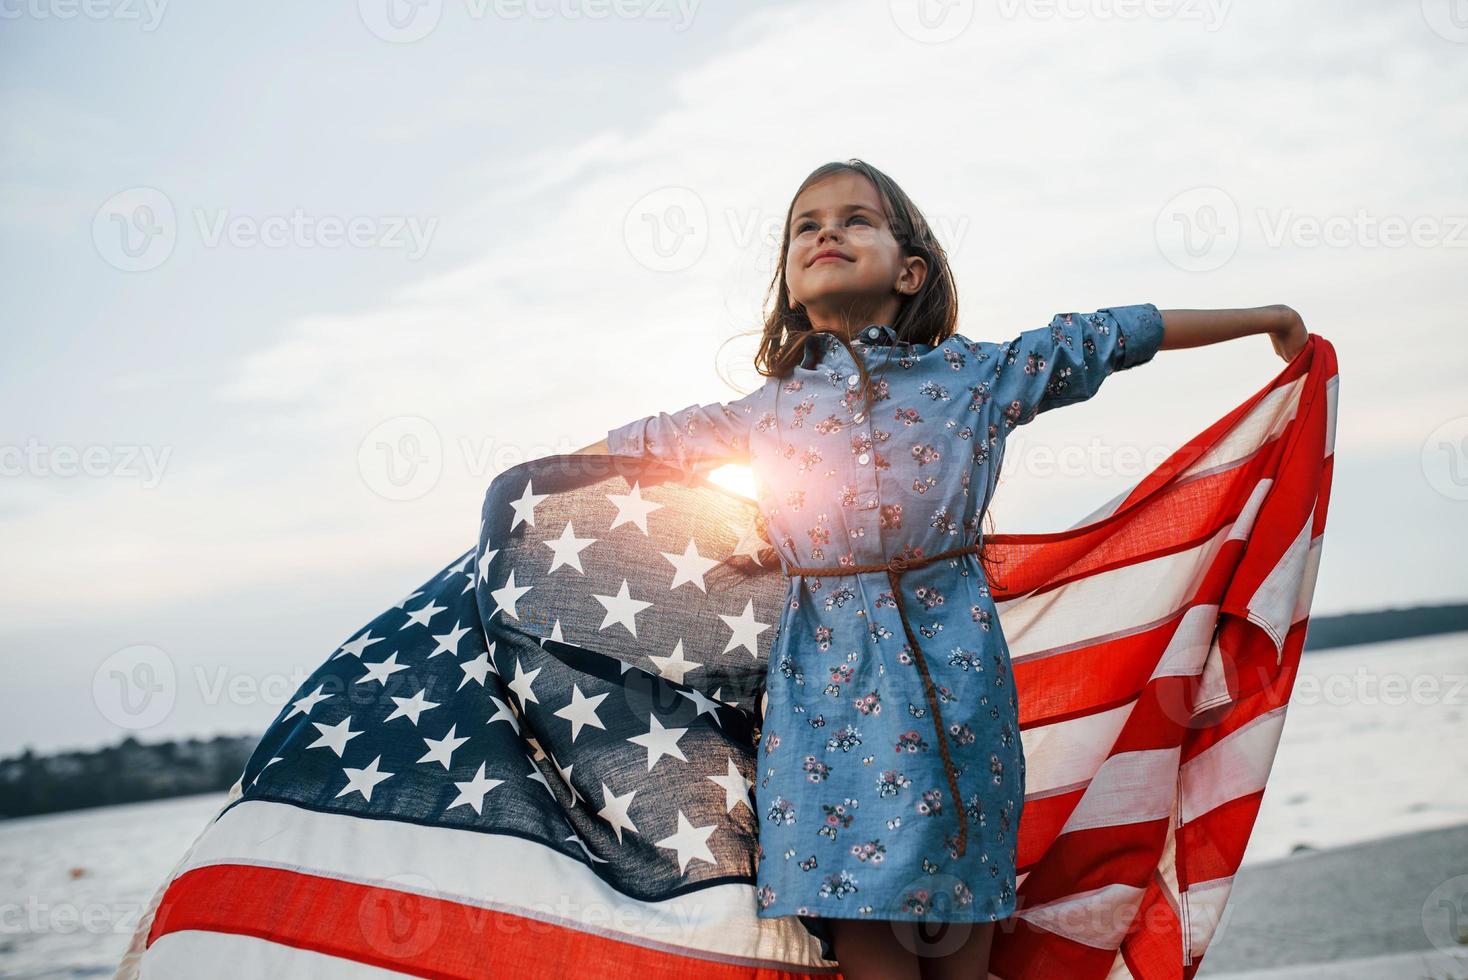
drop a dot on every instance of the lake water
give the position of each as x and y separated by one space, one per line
54 925
1372 747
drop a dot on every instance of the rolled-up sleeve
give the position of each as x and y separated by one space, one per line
1066 361
718 431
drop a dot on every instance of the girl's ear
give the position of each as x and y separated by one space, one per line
914 273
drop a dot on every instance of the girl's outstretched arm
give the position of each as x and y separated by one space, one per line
1194 328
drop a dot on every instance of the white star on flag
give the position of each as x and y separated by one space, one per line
304 705
484 561
736 787
472 792
566 549
689 566
335 737
523 684
382 670
267 765
621 608
503 713
690 842
476 670
449 642
423 615
660 741
676 667
441 750
632 508
411 708
746 629
614 811
565 775
750 542
581 711
507 595
362 780
586 850
705 706
525 506
355 647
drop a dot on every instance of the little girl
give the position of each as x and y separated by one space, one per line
891 773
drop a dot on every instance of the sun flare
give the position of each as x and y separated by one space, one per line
736 478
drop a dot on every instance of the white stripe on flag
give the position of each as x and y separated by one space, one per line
500 872
1131 787
1064 755
1249 513
1099 917
1265 421
1237 765
1275 605
181 955
1332 396
1206 902
1085 611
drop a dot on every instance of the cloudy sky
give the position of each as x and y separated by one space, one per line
285 286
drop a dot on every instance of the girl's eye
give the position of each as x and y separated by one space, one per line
807 225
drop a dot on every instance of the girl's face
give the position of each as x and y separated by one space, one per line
843 264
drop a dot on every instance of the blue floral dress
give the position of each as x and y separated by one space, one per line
852 792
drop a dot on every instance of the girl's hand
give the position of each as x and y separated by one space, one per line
1289 338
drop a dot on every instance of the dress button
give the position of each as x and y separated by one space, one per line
858 417
873 333
853 380
863 459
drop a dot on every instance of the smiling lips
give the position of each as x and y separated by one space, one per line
829 254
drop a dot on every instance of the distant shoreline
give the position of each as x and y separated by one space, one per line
127 772
1383 625
130 771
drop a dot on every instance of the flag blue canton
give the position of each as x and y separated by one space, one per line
587 677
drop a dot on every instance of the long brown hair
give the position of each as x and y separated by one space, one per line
929 316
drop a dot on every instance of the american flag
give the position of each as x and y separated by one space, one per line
540 762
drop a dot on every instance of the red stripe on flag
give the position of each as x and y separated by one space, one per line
1027 951
1094 858
1215 842
1059 687
1151 948
414 934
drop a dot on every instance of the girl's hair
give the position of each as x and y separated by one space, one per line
929 316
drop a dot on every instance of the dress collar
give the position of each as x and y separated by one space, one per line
818 342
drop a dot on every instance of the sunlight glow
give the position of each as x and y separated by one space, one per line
737 478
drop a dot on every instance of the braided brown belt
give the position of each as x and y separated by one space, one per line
894 567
